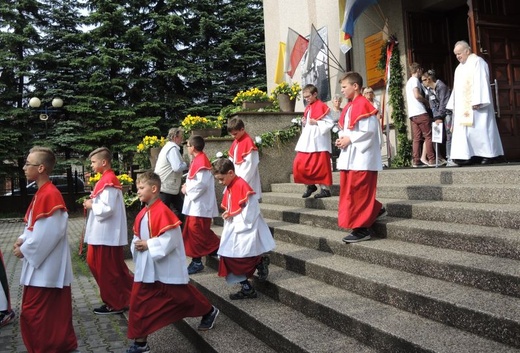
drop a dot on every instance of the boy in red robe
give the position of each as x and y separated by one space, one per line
200 206
106 234
244 155
312 164
161 293
46 316
245 236
359 161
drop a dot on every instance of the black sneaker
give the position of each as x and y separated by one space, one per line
208 320
358 234
263 268
7 317
309 191
242 294
322 194
195 267
105 310
134 348
382 213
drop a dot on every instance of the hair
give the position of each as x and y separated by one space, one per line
352 77
45 157
338 97
149 178
414 67
430 74
463 44
235 124
311 88
197 142
174 132
223 166
368 90
103 152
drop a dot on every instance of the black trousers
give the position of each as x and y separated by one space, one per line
174 202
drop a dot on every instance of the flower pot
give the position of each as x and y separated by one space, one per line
207 132
286 104
255 105
154 154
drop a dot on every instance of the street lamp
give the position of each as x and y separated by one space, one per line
35 103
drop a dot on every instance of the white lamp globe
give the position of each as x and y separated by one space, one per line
35 102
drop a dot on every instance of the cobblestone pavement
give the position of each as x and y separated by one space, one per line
95 333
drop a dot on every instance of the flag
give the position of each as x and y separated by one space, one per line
295 48
279 70
354 8
316 44
344 44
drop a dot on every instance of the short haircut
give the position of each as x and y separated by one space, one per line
104 153
197 142
463 44
223 166
235 124
352 77
174 132
338 97
431 74
368 90
311 88
149 178
45 157
414 67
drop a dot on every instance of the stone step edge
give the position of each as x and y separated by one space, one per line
402 290
376 328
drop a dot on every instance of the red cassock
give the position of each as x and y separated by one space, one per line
156 305
312 168
46 320
199 239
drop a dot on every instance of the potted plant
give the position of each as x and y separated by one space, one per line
151 145
202 126
253 98
286 94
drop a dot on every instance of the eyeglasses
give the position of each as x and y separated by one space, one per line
27 164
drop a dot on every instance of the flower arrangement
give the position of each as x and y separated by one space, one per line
293 90
124 179
251 95
150 142
195 122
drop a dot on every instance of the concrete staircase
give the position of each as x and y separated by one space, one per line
443 275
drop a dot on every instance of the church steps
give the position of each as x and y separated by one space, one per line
499 275
226 337
283 328
495 316
384 327
286 206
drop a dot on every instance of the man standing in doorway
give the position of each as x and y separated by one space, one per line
475 132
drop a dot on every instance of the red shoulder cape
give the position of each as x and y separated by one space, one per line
160 219
45 202
200 162
317 110
361 109
108 178
239 190
245 146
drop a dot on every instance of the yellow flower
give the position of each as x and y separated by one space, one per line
293 90
196 122
92 180
125 179
252 95
150 142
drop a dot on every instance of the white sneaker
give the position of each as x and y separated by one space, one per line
451 164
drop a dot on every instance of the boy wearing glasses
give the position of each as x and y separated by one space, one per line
46 315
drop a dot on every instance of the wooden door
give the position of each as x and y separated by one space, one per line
428 43
494 27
